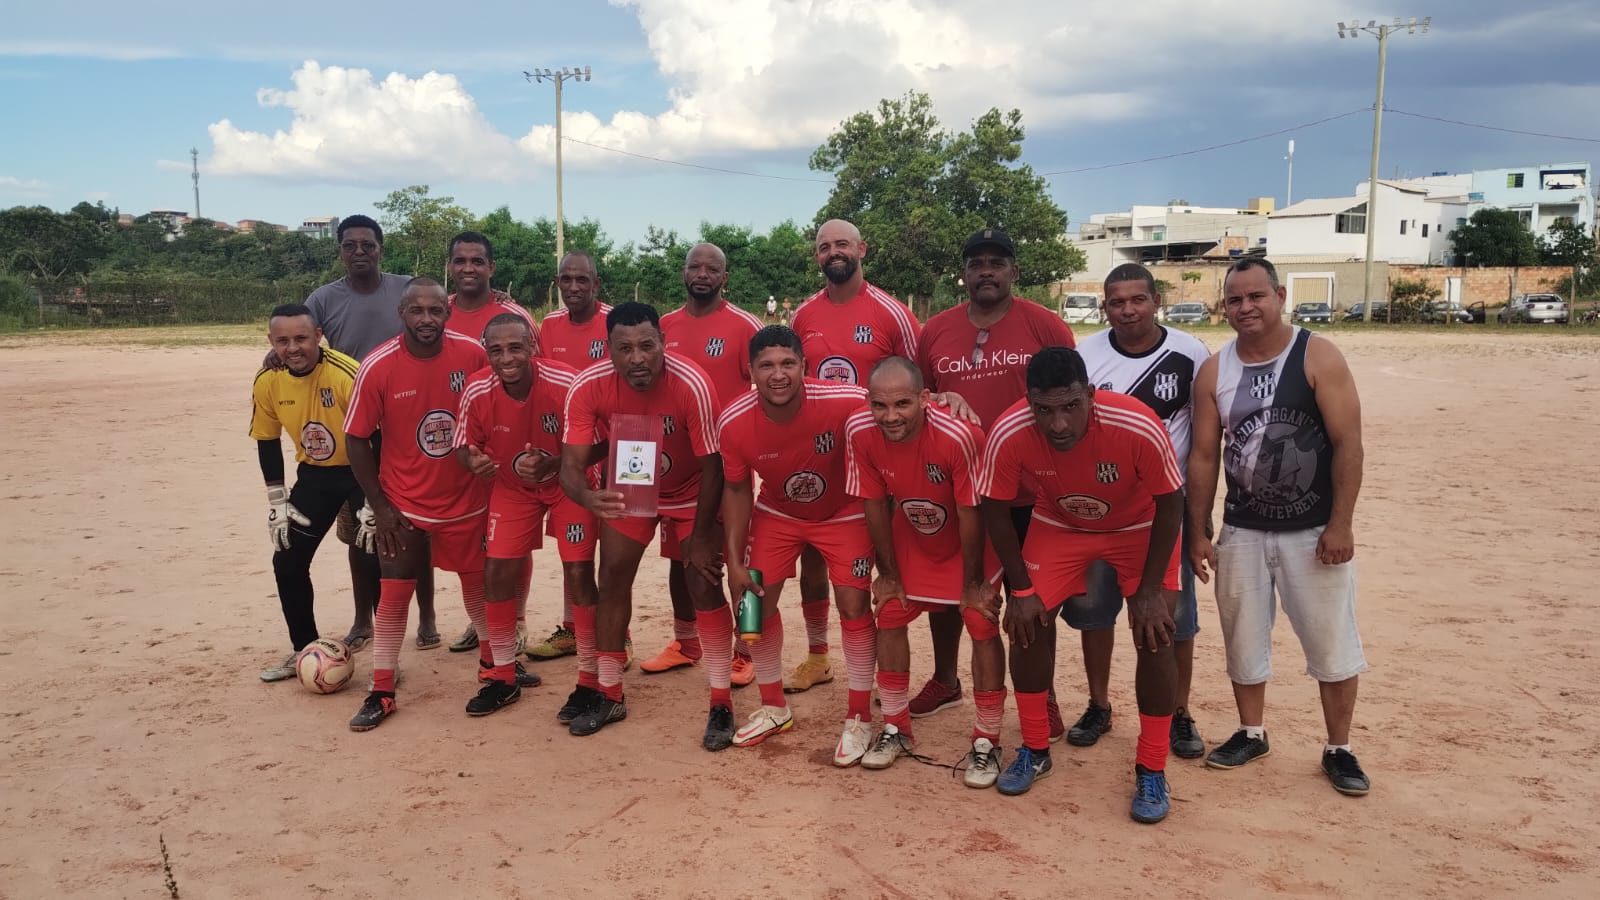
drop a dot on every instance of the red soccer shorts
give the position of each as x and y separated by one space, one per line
1058 560
775 544
457 546
676 526
516 521
894 615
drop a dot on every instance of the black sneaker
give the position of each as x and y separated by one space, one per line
719 729
378 706
1186 742
492 696
602 712
524 677
581 698
1238 750
1345 773
1095 721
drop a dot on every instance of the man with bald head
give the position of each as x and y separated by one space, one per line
715 335
846 328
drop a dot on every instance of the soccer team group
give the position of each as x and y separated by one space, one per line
983 469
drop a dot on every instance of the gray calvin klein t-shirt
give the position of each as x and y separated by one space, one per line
356 323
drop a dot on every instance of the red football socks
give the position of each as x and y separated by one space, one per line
894 689
860 661
816 615
991 707
1031 709
389 629
1154 738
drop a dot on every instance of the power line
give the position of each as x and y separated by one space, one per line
1558 137
1197 150
673 162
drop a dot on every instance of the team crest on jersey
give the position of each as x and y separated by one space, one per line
1262 386
1166 386
458 380
575 533
1083 506
597 349
1104 386
863 334
317 441
804 487
327 398
935 474
436 433
926 516
714 346
837 368
823 442
1105 472
861 567
549 423
667 425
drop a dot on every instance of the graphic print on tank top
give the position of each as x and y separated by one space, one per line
1278 460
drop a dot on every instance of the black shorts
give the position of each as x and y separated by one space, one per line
326 494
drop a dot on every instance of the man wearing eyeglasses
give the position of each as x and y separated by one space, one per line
980 350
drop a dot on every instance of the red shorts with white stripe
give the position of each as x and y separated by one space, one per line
676 526
456 546
1058 560
897 615
516 526
775 544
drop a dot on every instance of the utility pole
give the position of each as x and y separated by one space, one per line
194 174
1288 194
1382 32
558 76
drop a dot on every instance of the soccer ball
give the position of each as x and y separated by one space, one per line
324 666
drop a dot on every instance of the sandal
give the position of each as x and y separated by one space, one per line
428 641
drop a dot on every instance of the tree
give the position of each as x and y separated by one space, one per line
1568 244
1409 299
1188 278
915 191
1496 237
37 241
417 229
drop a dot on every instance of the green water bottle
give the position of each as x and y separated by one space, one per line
749 616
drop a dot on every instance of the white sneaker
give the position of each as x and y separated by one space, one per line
281 672
853 743
983 764
764 723
890 746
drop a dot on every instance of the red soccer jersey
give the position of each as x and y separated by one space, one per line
1108 481
718 342
990 370
415 402
801 462
471 324
579 346
504 427
928 477
844 341
682 397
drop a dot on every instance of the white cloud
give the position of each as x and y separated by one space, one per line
23 188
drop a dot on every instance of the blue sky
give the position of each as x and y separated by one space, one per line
303 109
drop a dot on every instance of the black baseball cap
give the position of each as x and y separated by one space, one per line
989 237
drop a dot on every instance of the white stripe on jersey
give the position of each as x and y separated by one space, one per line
472 391
746 315
385 349
857 423
736 407
788 518
1007 426
947 424
701 389
902 317
1152 431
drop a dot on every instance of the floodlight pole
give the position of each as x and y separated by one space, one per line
1382 32
581 73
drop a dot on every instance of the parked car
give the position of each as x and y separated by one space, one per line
1188 314
1358 312
1320 313
1082 309
1542 308
1440 311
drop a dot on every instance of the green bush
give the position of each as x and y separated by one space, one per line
16 300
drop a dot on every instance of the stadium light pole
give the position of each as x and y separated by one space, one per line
576 73
1382 32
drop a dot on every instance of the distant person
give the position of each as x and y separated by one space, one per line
308 398
772 309
980 350
1155 365
787 311
1284 405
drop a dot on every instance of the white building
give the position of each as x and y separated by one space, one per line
1175 232
319 226
1411 228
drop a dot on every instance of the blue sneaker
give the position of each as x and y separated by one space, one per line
1028 765
1150 800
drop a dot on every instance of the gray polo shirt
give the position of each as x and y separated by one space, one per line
355 323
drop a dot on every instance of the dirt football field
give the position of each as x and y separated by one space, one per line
137 607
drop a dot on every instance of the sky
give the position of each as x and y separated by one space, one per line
317 109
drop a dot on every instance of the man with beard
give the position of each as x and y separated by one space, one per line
643 380
472 307
510 435
712 333
845 329
981 349
428 510
791 432
1155 365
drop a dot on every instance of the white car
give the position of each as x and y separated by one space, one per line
1544 308
1082 309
